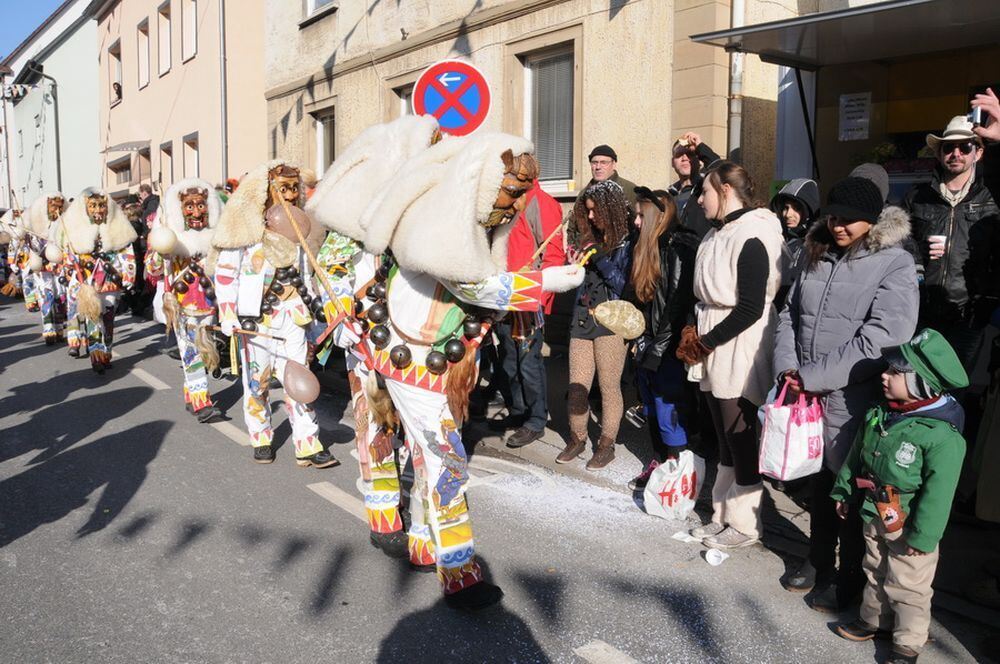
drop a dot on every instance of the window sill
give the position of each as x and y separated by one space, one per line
144 85
319 14
115 103
163 73
189 58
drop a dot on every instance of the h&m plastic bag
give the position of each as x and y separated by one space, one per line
791 445
674 486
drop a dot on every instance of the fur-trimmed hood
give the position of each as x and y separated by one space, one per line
242 221
891 229
189 242
429 214
361 171
38 214
79 234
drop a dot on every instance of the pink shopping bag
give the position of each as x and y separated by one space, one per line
791 445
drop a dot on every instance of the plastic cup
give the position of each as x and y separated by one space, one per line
714 557
941 240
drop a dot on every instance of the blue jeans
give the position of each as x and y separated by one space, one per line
661 392
525 370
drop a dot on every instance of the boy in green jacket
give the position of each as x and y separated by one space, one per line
902 473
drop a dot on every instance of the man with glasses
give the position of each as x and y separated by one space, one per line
955 221
604 166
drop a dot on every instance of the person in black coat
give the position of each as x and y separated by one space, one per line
662 288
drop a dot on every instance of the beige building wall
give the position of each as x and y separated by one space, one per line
179 110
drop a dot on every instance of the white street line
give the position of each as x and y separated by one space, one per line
149 379
232 433
341 499
599 652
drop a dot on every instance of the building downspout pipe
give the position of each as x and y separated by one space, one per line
736 83
223 91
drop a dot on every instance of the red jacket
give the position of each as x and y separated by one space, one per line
542 215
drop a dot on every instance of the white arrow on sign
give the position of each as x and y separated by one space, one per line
445 79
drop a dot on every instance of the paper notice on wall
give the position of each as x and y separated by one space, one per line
855 116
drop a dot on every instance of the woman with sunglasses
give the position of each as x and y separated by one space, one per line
662 288
856 295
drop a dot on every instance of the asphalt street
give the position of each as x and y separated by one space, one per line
131 533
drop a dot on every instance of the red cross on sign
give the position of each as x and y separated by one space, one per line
454 92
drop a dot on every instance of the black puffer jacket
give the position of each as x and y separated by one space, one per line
673 301
963 283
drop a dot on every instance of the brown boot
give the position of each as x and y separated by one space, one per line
574 448
603 455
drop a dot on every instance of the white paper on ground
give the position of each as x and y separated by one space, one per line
683 536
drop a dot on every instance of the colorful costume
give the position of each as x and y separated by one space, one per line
263 286
445 216
349 185
191 212
96 240
48 283
13 235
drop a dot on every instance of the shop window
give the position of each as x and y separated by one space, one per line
189 29
115 71
326 142
163 37
548 91
142 46
166 165
191 165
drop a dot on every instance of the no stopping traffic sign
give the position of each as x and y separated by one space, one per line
454 92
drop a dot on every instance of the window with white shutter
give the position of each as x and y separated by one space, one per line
549 112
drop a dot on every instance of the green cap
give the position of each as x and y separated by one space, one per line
931 357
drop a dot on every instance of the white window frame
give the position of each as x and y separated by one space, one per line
189 29
116 72
186 142
164 47
142 61
320 118
168 149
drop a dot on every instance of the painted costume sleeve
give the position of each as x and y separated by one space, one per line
507 291
891 321
227 285
752 270
124 264
337 257
939 473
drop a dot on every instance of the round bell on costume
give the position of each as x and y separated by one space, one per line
53 254
378 313
278 222
162 240
248 325
296 282
35 262
454 350
306 299
383 271
380 336
302 289
189 277
300 384
472 327
115 278
180 287
292 271
281 273
197 269
320 316
205 283
209 293
400 356
376 291
89 265
266 309
271 298
63 281
436 362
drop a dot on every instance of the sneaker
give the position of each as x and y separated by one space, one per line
636 416
730 538
475 597
521 437
263 454
322 459
826 601
174 354
708 530
209 414
392 544
859 630
639 482
902 655
574 448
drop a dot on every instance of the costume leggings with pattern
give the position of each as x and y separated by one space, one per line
48 299
440 531
195 379
606 356
101 333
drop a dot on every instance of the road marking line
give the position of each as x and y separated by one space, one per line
149 379
231 432
341 499
599 652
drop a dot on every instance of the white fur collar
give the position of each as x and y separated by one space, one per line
115 233
189 242
38 214
242 221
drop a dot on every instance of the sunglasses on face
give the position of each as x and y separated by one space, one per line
965 147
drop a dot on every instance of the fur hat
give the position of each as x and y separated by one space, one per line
359 173
430 212
189 242
38 214
242 221
116 232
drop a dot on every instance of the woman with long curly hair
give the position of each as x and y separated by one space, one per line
603 218
663 289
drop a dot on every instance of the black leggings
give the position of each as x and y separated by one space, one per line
826 531
736 428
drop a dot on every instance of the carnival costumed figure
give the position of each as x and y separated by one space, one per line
44 263
348 186
180 242
446 222
10 234
19 257
265 299
96 241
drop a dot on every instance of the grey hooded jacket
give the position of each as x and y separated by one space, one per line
842 311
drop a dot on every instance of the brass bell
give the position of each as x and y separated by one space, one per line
380 336
248 324
454 350
472 327
180 287
378 313
189 277
400 356
436 362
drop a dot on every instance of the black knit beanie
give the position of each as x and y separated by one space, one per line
854 199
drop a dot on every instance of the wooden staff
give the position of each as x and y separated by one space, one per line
544 244
248 333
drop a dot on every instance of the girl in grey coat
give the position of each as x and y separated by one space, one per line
857 295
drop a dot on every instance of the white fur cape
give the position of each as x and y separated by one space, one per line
38 214
79 234
362 170
242 221
429 214
189 242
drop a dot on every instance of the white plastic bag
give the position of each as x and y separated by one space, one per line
158 315
674 486
791 445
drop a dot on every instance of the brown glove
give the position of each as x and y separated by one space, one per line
691 350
